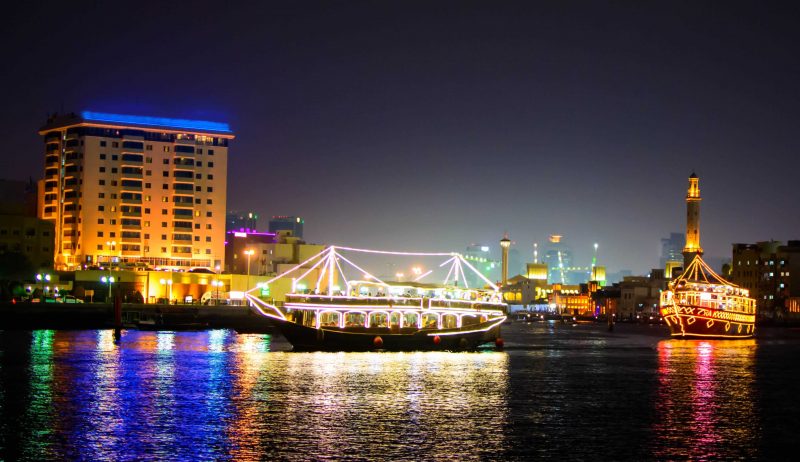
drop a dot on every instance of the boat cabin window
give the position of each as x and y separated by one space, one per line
394 320
449 321
354 320
329 319
470 320
410 319
430 321
378 320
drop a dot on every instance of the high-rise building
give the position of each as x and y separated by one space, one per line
558 258
135 190
672 249
287 223
241 221
771 271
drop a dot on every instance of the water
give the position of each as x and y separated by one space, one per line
557 392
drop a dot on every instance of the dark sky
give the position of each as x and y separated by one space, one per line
434 124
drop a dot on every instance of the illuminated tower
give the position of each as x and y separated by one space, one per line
692 221
505 243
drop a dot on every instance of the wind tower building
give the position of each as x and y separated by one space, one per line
505 243
692 247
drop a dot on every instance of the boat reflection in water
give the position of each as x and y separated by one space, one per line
391 406
704 400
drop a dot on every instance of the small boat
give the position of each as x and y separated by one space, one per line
701 304
372 314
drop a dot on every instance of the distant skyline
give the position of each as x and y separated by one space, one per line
432 125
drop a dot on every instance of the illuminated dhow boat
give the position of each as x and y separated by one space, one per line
700 303
368 313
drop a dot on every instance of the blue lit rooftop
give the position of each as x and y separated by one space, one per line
162 122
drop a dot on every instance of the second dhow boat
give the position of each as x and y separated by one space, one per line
701 304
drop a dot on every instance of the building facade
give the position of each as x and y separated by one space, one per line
771 271
286 223
241 221
130 190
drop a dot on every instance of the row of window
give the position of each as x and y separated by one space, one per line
164 224
136 247
139 145
180 174
137 235
113 208
138 184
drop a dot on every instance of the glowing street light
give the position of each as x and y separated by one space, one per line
108 280
217 285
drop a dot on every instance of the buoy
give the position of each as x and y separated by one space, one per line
437 340
378 341
499 343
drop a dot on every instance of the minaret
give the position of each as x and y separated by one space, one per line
505 243
692 221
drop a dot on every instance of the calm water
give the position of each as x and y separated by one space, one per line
557 392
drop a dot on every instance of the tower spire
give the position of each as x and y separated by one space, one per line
693 199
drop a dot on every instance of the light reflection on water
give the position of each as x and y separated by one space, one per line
556 393
705 400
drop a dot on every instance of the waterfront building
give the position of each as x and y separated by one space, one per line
131 190
770 270
241 221
282 223
640 295
480 256
21 231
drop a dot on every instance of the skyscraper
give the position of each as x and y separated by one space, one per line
133 189
287 223
671 249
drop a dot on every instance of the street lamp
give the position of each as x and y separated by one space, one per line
41 278
168 283
249 253
108 280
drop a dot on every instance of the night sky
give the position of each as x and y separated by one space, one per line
431 125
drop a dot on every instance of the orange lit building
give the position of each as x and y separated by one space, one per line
131 190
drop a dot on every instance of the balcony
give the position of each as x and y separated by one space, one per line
132 159
131 172
132 146
130 185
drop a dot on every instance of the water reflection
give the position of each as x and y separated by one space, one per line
218 395
705 400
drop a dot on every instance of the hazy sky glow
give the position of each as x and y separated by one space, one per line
430 125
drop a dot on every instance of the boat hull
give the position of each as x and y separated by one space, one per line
697 322
305 338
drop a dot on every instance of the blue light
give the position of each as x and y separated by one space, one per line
156 121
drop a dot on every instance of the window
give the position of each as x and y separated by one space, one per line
102 157
113 196
197 188
199 151
148 172
210 177
163 224
114 182
100 208
199 164
114 144
113 169
163 237
99 234
165 174
197 201
208 226
148 160
146 225
198 176
100 221
163 250
112 234
149 147
197 226
163 211
101 195
102 169
166 162
209 201
197 238
197 213
164 186
211 164
208 251
166 148
210 189
208 214
113 208
102 182
114 157
210 152
102 144
147 185
165 199
99 246
208 239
